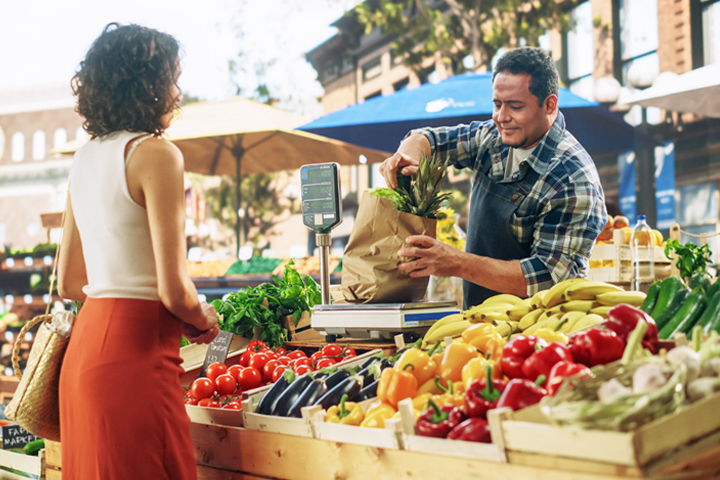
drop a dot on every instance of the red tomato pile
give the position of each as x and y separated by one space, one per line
258 366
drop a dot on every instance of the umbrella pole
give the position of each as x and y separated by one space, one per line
237 206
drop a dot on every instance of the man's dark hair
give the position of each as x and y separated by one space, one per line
536 63
125 81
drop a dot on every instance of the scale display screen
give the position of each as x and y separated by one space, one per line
321 203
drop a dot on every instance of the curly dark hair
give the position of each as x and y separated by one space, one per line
535 62
125 81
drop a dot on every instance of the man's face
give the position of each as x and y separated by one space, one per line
520 120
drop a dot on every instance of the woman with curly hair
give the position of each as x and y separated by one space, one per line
123 255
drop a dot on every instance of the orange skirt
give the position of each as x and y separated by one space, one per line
121 410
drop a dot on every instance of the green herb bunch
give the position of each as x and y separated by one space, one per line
265 306
691 259
423 197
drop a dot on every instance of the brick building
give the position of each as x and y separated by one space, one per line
32 180
607 37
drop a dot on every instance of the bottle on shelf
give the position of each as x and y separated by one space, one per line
642 255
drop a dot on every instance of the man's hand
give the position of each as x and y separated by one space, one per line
399 161
432 257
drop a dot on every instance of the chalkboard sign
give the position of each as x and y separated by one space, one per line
14 436
217 350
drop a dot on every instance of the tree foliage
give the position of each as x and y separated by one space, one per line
455 29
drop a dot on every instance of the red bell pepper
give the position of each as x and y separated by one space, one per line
471 430
623 318
561 371
483 395
542 361
597 346
521 393
515 352
438 422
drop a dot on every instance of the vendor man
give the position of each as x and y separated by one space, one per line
537 205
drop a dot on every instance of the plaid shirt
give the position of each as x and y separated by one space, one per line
564 212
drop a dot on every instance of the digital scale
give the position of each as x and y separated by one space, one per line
322 211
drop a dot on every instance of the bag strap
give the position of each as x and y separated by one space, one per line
40 318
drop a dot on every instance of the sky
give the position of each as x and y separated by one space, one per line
43 41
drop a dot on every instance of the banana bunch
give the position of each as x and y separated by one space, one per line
577 304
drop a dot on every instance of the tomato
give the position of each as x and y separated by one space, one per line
250 378
280 350
302 370
191 401
278 372
202 388
215 370
235 370
300 361
331 350
233 406
284 360
296 354
272 355
258 361
225 384
257 346
324 362
268 370
245 358
315 357
214 404
205 402
349 351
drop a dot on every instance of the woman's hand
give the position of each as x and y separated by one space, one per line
208 334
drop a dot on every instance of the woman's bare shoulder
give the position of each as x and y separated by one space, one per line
158 153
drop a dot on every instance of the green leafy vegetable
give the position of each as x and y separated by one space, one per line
691 259
265 306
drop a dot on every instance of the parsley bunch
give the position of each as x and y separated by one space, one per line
690 258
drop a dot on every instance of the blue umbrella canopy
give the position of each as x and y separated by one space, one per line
381 122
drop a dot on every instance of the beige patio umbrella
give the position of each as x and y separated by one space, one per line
238 136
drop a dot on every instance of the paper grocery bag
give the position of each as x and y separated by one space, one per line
369 264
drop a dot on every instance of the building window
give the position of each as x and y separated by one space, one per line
18 147
581 52
711 31
373 95
638 35
372 69
38 149
59 138
401 84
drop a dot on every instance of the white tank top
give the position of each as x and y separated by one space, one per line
113 228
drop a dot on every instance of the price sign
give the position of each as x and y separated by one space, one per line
217 350
321 202
14 436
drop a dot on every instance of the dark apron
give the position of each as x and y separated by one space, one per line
489 233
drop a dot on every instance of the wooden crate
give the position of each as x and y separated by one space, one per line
215 416
194 355
303 331
372 437
619 254
24 463
529 431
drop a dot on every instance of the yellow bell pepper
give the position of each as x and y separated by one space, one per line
450 396
347 413
421 401
418 363
436 354
484 337
416 413
551 336
377 418
456 356
475 369
380 406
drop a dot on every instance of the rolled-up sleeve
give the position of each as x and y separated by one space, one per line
462 144
564 235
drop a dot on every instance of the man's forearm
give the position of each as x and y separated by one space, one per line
415 146
504 276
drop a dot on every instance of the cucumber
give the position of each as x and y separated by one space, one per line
652 296
664 317
34 447
715 287
699 280
670 286
712 310
685 318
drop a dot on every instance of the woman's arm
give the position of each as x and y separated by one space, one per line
71 273
155 181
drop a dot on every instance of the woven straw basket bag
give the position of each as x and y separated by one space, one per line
35 404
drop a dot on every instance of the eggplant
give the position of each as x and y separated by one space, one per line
336 378
268 402
291 394
367 392
387 362
370 361
350 386
370 373
315 390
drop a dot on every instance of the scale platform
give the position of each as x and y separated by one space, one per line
379 320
